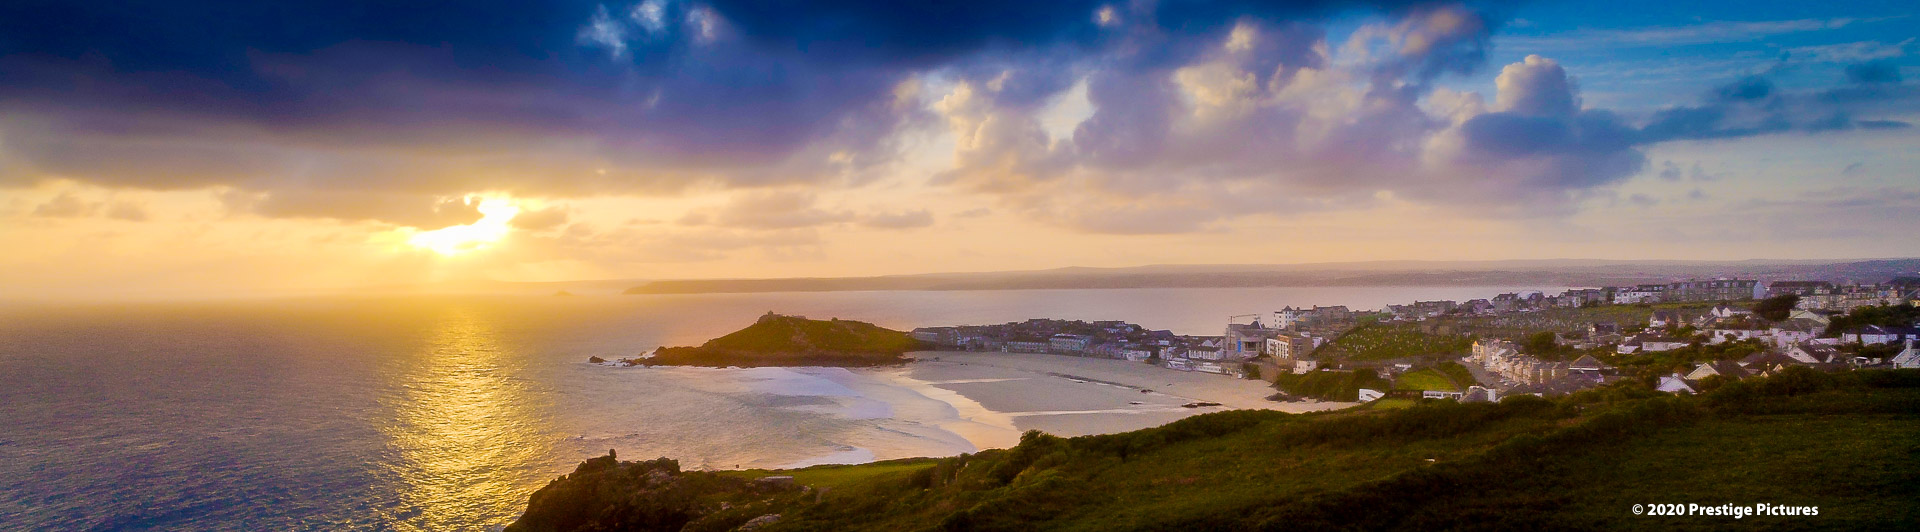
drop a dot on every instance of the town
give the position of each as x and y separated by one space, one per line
1680 337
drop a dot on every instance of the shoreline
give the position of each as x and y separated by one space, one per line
995 397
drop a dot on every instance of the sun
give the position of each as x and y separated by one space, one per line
490 228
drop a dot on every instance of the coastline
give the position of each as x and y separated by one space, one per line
994 397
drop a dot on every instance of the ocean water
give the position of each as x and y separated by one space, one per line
444 413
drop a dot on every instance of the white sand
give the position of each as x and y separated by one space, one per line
999 395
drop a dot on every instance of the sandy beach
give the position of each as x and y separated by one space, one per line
999 395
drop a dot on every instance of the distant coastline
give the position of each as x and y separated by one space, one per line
1400 273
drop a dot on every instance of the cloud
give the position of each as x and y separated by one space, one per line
1753 106
540 219
1703 33
1872 72
767 210
901 220
1852 52
1198 113
131 212
418 211
66 205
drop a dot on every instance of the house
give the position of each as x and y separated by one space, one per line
1587 364
1674 384
1908 358
1303 365
1480 394
1646 293
1723 368
1602 328
1649 343
1812 353
1875 334
1768 363
1369 395
1435 394
1726 312
1664 318
1720 336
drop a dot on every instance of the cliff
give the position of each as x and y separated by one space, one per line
1579 462
776 340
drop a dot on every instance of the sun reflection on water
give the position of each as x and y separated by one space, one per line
466 431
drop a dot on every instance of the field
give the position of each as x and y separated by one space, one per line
1392 341
1425 379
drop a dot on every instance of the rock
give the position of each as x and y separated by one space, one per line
758 522
596 360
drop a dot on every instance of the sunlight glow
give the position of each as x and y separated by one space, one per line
454 240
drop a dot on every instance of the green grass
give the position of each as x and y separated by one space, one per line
1424 379
1570 320
840 476
776 340
1390 404
1382 341
1331 385
1458 373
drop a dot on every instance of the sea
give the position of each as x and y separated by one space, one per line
447 412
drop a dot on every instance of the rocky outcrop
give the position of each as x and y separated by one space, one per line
606 494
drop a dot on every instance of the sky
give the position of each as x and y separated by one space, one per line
290 147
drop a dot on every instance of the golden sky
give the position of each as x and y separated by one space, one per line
676 139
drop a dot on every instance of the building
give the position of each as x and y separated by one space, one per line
1875 334
1069 343
1646 293
1674 384
1723 368
1908 358
942 336
1289 346
1018 346
1480 394
1244 341
1799 288
1713 290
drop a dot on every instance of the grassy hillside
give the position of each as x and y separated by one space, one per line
1426 379
1580 462
777 340
1387 341
1573 321
1331 385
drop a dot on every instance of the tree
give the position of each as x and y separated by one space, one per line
1539 343
1776 308
1253 372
